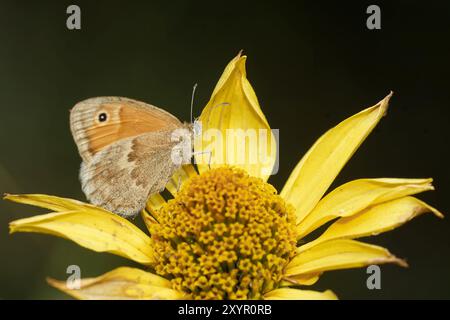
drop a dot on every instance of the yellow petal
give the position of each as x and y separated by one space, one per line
121 284
89 226
339 254
150 212
322 163
296 294
234 129
154 202
374 220
179 177
300 279
148 218
50 202
358 195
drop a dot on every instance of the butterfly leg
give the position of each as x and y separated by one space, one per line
204 152
179 183
209 160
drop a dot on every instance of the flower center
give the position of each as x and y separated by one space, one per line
225 235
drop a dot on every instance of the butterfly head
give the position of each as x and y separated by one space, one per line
197 128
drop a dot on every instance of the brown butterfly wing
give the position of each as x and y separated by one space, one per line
121 176
99 122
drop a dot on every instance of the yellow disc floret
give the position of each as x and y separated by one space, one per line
225 235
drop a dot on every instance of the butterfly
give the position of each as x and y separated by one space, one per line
129 150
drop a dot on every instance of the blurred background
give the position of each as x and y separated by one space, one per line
311 65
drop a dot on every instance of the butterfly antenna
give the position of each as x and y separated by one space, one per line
192 101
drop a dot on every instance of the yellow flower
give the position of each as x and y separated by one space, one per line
227 233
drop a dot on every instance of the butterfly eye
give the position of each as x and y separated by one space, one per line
102 117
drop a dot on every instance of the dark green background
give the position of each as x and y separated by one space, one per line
311 65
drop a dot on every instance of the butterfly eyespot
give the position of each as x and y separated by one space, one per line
102 117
